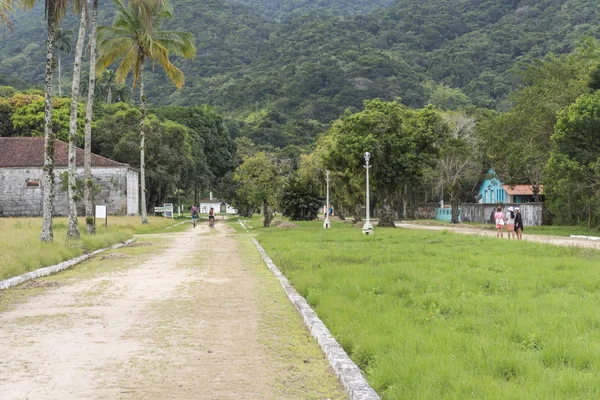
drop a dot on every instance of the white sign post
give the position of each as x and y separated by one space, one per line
101 213
168 213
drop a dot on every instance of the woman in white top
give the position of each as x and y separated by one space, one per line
510 223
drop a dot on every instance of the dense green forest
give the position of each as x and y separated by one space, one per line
286 81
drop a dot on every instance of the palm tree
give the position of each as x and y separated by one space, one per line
90 227
108 83
122 93
143 7
73 227
133 42
6 9
55 10
62 43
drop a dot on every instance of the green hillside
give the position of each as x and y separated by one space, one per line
286 81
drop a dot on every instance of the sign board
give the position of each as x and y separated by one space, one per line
101 212
160 209
168 210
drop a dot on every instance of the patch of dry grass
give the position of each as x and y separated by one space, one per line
21 249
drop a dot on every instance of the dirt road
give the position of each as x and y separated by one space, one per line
189 315
555 240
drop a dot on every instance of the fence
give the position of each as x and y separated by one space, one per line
484 213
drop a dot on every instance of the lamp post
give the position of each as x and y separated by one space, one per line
327 223
367 227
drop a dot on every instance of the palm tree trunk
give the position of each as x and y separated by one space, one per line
143 148
73 229
59 80
48 173
109 95
90 228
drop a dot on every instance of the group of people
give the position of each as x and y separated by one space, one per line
512 220
211 216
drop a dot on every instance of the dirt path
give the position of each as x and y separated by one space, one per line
195 321
555 240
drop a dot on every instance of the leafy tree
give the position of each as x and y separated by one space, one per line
132 41
401 141
458 163
301 199
518 142
28 119
573 182
261 181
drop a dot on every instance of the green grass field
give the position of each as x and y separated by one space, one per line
22 251
434 315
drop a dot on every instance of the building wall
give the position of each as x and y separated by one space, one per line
19 200
492 192
484 213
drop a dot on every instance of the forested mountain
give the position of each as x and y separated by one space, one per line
285 81
286 10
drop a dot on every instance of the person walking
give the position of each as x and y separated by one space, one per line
194 212
510 223
211 217
518 223
499 218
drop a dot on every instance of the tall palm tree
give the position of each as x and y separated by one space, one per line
73 227
133 42
62 43
54 12
143 7
90 227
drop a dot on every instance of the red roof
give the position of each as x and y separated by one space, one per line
29 152
521 190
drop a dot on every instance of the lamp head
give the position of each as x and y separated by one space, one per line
367 156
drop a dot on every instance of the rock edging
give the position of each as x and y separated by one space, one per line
346 370
45 271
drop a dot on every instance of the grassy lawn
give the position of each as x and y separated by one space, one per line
553 230
435 315
22 251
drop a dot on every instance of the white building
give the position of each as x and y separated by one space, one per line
219 206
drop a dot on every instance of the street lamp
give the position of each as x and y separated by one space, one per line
367 227
327 223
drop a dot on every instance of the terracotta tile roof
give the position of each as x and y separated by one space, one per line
521 190
29 152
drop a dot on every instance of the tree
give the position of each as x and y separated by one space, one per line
572 185
62 43
261 180
6 10
457 163
55 10
518 142
402 143
133 42
107 83
301 199
73 226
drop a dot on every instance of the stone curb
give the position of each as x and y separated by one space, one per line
585 237
345 369
45 271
